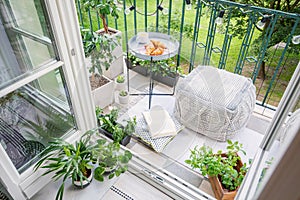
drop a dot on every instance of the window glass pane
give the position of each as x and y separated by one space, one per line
28 15
287 132
32 116
25 39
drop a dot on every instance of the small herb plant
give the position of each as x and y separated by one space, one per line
109 123
223 165
164 67
123 93
109 159
120 79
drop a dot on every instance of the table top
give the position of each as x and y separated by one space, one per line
138 49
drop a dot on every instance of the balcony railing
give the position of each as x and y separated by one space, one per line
253 41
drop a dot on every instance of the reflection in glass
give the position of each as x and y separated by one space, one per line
32 116
25 39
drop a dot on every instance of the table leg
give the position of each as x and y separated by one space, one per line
151 83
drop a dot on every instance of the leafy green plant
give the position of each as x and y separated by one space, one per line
120 79
223 165
123 93
75 161
98 111
67 161
100 48
103 8
121 132
135 61
165 67
109 123
110 159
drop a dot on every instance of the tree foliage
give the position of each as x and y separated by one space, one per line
282 27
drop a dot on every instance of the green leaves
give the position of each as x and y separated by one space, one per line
219 164
67 160
98 174
109 123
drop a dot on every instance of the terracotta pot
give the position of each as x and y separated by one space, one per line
219 191
84 182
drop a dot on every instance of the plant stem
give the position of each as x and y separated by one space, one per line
104 23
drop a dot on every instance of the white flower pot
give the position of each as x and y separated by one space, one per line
124 99
120 86
103 96
84 182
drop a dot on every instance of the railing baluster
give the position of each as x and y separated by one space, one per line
195 36
157 16
210 36
146 16
169 16
98 21
181 30
281 59
80 13
266 41
134 17
245 44
90 20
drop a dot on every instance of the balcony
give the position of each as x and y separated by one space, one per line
258 43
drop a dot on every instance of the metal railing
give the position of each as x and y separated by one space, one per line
205 42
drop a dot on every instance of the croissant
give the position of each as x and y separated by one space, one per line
149 48
157 51
158 44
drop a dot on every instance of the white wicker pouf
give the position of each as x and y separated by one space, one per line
214 102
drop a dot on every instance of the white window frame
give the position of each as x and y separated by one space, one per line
65 26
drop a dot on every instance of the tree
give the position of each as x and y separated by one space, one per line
282 26
103 8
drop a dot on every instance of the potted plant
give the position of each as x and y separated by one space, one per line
110 159
225 170
123 97
120 83
164 71
68 161
75 161
99 53
109 126
138 65
111 39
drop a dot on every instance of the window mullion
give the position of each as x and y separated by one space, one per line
34 75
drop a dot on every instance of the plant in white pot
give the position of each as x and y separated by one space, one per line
95 48
123 97
77 161
120 83
112 51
